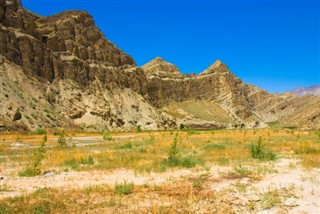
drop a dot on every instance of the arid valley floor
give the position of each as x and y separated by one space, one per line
221 171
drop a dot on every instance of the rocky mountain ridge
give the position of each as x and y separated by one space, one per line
61 71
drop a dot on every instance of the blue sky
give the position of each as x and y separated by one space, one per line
272 44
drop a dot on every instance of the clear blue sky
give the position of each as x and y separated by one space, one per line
273 44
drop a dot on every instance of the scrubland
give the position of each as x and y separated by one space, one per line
186 171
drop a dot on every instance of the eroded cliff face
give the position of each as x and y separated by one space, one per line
61 71
217 95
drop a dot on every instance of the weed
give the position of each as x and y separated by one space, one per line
138 128
127 145
107 136
258 151
223 161
124 188
37 157
62 139
72 163
174 158
173 151
40 131
271 199
88 161
182 126
306 149
197 183
241 187
242 171
191 132
214 146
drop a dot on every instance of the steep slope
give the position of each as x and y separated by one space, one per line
59 71
315 90
218 97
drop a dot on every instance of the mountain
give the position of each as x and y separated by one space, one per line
315 90
61 72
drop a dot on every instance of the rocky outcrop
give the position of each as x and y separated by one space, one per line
61 71
160 68
242 103
73 74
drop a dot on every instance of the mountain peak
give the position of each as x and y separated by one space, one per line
217 66
158 59
160 67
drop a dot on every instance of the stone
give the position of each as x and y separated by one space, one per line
98 85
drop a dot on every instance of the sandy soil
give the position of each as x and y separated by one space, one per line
301 187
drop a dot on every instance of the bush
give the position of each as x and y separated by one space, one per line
124 188
72 163
107 136
174 158
182 126
127 145
38 155
88 161
62 139
40 131
258 151
138 128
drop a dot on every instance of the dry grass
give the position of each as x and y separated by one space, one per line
146 152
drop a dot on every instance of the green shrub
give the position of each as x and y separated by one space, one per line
62 139
124 188
40 131
242 171
174 158
88 161
127 145
182 126
107 136
138 128
38 155
72 163
258 151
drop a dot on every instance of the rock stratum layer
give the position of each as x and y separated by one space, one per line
61 71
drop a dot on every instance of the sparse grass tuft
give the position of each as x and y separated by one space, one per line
214 146
127 145
242 171
71 163
124 188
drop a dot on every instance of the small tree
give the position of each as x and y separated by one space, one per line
173 151
258 151
38 155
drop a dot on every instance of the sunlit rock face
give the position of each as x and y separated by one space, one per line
61 71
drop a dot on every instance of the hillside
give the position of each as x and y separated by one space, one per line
61 72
